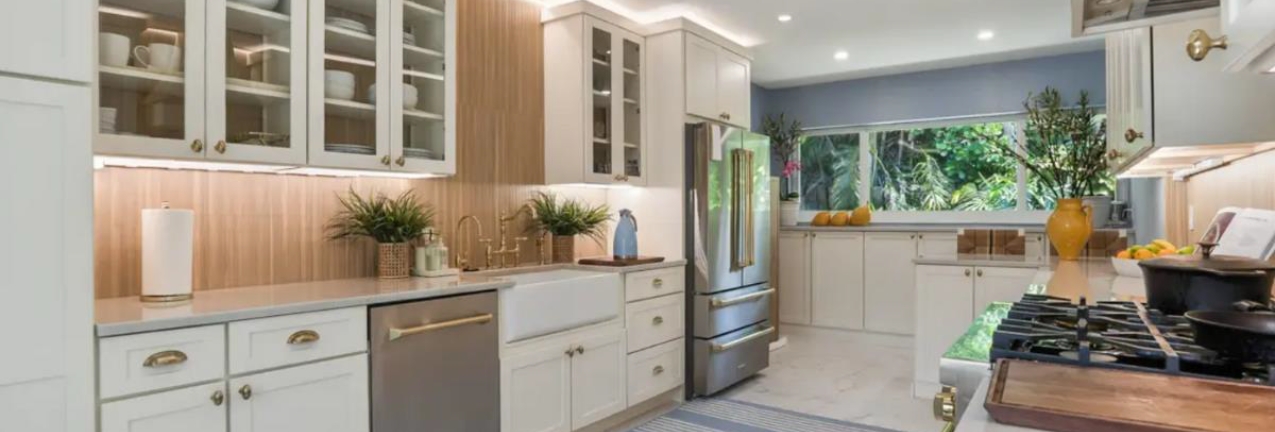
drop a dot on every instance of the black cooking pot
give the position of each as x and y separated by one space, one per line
1179 283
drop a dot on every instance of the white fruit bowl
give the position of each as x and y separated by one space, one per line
1126 267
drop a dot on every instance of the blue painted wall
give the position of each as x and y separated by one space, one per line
966 91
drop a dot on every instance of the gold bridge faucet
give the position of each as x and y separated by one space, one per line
504 252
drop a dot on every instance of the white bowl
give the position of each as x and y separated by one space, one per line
1126 267
410 95
263 4
338 84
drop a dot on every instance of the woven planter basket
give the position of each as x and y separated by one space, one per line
393 260
564 249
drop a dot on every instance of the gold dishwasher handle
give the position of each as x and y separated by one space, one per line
737 342
165 358
303 337
396 333
719 303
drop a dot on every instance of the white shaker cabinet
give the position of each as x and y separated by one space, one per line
1249 26
889 273
718 83
836 280
193 409
794 277
47 38
329 396
1129 103
944 310
46 305
999 284
598 378
936 245
564 383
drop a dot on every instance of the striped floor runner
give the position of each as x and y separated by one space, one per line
721 415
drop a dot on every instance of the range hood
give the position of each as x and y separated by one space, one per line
1090 17
1181 163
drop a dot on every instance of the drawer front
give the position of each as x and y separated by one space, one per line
654 283
152 361
280 341
725 360
655 321
655 370
730 310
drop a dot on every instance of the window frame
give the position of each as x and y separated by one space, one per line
867 141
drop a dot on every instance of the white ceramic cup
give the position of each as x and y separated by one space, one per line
338 84
409 96
159 57
112 49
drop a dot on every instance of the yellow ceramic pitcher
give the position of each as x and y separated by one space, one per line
1069 228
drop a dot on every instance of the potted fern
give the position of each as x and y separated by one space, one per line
391 222
566 219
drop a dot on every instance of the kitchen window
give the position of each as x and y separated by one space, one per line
935 171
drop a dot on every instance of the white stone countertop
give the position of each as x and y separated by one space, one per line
976 418
128 315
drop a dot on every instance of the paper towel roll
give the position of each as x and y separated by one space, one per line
168 254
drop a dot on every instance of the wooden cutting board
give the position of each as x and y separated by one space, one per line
1073 399
613 262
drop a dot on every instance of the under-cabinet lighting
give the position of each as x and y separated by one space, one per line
333 172
101 162
349 60
1272 71
986 35
841 55
785 18
169 33
127 13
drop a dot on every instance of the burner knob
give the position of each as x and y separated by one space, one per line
945 406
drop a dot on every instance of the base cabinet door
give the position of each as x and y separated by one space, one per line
936 245
944 311
598 371
837 280
191 409
999 284
535 391
329 396
794 277
889 282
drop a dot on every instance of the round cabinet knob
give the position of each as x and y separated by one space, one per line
1114 154
1132 135
245 392
967 272
979 273
220 147
197 146
402 160
571 352
1199 43
218 398
580 349
385 160
657 320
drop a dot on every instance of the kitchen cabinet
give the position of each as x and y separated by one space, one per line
948 300
1159 97
48 39
1249 26
936 245
888 281
718 83
794 277
325 396
595 127
836 280
46 307
564 383
193 409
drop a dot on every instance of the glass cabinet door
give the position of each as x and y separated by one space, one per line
422 130
150 78
631 148
256 99
349 100
601 118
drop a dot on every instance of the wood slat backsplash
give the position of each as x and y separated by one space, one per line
261 229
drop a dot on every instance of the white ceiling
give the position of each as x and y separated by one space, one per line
881 36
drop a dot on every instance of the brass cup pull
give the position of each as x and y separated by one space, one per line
657 282
580 349
197 146
165 358
218 398
657 320
1132 135
245 392
220 147
385 160
657 370
303 337
1199 43
402 160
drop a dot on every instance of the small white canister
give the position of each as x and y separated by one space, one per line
168 254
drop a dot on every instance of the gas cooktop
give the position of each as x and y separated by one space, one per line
1116 335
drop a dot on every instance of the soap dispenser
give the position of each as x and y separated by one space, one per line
625 246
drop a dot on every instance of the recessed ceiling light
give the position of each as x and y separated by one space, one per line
986 35
785 18
841 55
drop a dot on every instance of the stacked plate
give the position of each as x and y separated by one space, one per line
351 148
106 120
348 24
419 153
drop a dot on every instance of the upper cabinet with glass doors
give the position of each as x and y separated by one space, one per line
355 84
594 93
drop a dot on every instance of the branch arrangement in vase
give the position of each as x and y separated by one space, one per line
391 222
566 219
1064 145
785 137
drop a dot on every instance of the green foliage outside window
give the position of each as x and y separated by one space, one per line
830 172
947 168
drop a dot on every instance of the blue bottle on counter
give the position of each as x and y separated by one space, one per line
625 246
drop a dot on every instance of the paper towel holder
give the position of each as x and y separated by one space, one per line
165 298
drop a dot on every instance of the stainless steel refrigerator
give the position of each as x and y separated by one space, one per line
728 246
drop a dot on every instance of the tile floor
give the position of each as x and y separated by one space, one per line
857 377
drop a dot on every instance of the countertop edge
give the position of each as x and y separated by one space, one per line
975 262
909 227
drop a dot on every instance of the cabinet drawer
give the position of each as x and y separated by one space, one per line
190 409
280 341
654 371
653 283
152 361
655 321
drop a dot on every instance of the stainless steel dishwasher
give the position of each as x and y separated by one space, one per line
436 365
